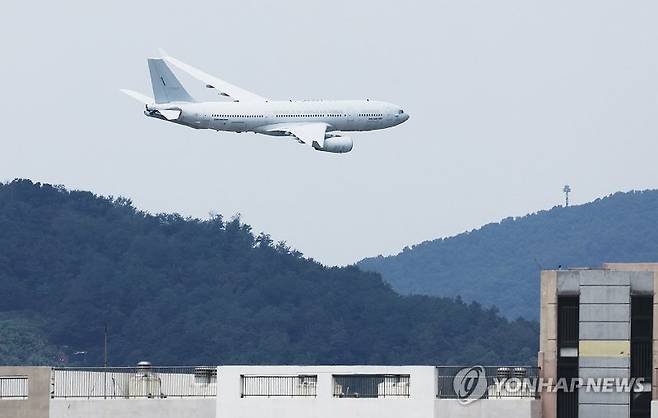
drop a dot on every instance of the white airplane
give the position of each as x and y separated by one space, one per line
317 123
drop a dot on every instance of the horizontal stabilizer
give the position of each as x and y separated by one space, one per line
138 96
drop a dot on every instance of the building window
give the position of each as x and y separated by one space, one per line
495 377
568 307
271 386
13 387
641 336
371 385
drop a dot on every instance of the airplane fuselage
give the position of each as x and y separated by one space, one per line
318 123
338 115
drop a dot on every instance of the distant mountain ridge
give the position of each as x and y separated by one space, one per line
182 291
499 263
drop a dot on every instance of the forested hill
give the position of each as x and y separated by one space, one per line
185 291
499 263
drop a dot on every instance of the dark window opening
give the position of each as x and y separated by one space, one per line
641 336
641 352
641 405
567 347
567 322
567 402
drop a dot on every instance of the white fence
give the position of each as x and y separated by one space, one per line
298 385
13 387
129 382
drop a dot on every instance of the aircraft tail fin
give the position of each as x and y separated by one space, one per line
166 87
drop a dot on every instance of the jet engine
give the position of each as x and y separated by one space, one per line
335 144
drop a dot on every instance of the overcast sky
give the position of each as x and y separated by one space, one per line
509 100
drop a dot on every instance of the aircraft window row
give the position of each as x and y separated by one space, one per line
236 116
307 116
371 114
331 115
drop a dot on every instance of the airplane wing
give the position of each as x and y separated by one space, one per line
307 133
224 88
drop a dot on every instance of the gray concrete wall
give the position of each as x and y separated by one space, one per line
133 408
547 356
205 408
489 408
422 401
605 327
654 395
37 403
419 404
604 332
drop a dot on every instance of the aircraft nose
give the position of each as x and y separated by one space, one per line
401 116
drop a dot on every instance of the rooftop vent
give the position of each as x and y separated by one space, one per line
205 374
503 373
144 365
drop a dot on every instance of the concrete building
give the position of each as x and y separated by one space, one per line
25 392
595 323
252 392
598 323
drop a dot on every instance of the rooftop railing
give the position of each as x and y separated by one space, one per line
269 386
501 381
133 382
13 387
146 381
371 385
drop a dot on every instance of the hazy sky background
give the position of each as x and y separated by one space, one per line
509 100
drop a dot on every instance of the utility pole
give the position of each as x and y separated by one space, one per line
105 363
566 191
105 345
